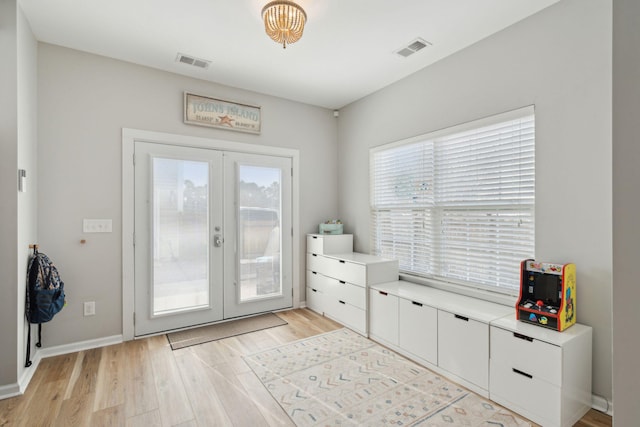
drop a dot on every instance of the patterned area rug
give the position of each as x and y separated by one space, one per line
341 378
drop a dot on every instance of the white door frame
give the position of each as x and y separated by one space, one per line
128 262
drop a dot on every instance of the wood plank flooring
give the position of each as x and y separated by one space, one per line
145 383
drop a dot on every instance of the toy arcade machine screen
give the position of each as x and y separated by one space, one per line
547 294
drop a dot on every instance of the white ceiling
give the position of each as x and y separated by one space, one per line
346 52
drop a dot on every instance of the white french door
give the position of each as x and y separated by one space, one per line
210 240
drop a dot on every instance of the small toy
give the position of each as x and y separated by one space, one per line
547 294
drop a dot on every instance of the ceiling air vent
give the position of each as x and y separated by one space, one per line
413 47
190 60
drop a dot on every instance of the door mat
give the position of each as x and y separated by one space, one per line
342 378
219 331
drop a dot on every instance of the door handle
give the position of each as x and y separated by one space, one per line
217 240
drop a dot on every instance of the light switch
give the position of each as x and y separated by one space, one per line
97 225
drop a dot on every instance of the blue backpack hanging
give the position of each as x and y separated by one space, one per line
45 295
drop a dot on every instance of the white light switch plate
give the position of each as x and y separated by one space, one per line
97 225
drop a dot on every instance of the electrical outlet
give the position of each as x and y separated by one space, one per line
89 308
97 225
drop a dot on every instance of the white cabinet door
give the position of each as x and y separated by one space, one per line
463 347
383 316
418 329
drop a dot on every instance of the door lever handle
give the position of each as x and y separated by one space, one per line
217 240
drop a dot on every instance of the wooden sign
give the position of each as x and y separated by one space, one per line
205 111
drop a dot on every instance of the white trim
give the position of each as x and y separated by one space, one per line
602 404
79 346
129 136
10 390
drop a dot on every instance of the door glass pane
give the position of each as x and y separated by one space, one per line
259 221
180 235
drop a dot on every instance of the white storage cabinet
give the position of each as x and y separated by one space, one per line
542 374
337 279
446 332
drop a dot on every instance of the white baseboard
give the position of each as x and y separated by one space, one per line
17 389
10 390
602 404
79 346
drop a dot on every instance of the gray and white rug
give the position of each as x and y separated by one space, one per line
342 379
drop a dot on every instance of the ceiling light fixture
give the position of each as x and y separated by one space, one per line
284 21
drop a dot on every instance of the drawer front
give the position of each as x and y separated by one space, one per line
418 330
523 393
383 316
463 347
318 281
347 271
318 263
337 244
538 358
345 313
351 294
316 300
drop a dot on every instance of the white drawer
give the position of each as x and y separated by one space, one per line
517 351
316 300
463 347
383 316
525 394
418 329
332 244
351 294
346 271
317 281
347 314
318 263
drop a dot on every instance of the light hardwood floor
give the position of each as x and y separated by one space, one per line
145 383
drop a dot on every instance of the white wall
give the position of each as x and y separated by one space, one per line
626 211
27 160
8 192
558 60
84 102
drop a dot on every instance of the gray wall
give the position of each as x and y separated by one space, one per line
8 192
84 102
626 210
558 60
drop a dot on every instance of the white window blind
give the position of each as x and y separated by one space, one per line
458 205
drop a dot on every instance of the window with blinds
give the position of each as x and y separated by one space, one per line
458 205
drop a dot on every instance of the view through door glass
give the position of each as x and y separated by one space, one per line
259 232
258 224
180 235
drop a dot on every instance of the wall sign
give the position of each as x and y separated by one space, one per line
205 111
